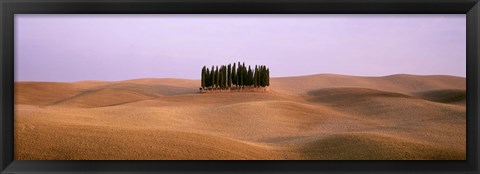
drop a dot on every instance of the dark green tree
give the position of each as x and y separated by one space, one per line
244 74
268 77
240 75
217 77
249 76
203 77
229 76
234 75
255 84
258 76
212 74
221 77
207 78
262 76
225 79
226 76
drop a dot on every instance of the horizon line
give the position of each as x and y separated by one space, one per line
78 81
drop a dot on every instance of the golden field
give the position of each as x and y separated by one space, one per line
326 117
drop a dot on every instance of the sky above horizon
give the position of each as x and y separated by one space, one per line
65 48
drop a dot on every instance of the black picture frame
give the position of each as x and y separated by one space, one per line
8 8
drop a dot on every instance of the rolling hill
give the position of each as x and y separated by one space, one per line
323 116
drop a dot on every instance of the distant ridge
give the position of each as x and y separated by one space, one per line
401 83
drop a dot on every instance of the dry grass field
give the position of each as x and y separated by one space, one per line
326 117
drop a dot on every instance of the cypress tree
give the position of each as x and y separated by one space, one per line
234 75
249 76
258 77
207 78
259 74
217 77
244 74
249 80
240 74
268 77
212 74
229 76
255 77
225 81
264 76
225 76
222 78
203 77
213 79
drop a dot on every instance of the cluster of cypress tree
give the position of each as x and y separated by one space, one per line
238 76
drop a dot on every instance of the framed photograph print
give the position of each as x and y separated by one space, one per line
227 86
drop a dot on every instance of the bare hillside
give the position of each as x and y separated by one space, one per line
323 116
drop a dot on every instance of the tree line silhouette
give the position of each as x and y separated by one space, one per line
237 76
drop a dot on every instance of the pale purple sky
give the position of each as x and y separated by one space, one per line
119 47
